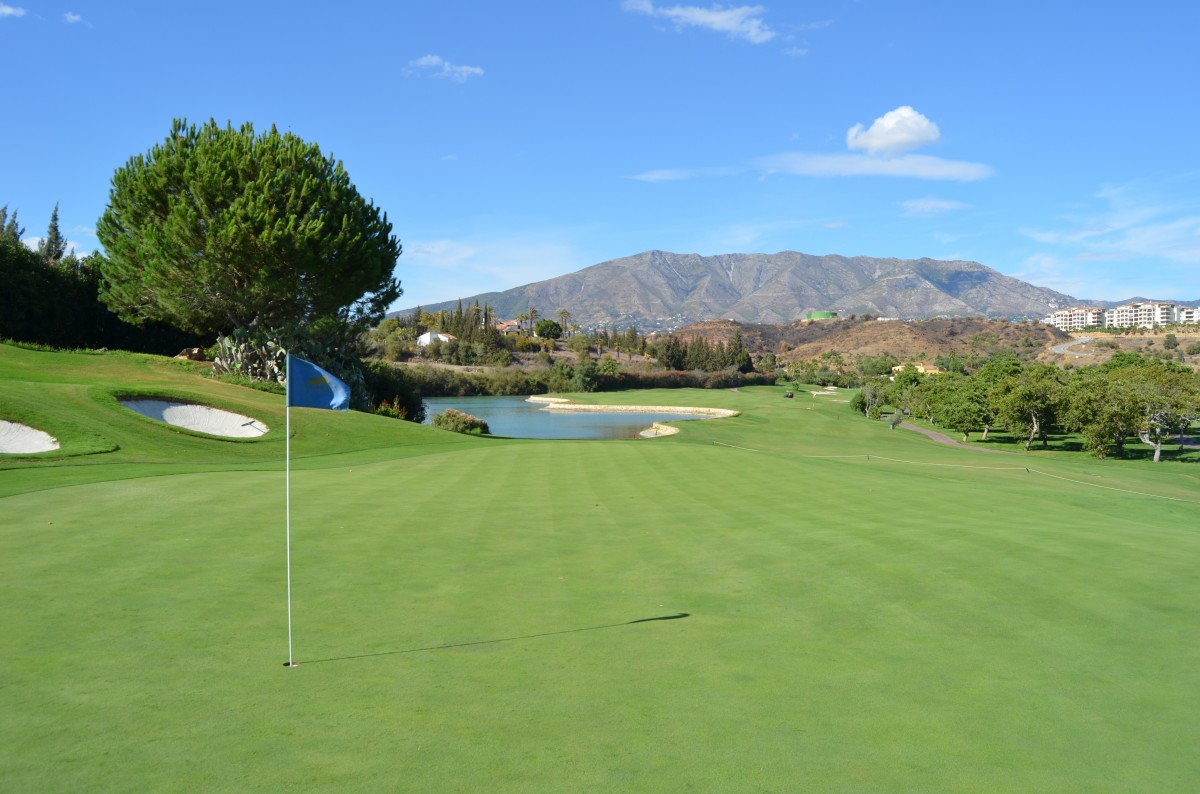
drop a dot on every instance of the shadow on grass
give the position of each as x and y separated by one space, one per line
490 642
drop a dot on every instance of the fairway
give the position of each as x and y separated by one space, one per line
792 599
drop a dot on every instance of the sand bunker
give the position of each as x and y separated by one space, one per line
200 418
18 439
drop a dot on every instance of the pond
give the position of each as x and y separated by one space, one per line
515 417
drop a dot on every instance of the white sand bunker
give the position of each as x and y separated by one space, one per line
18 439
200 418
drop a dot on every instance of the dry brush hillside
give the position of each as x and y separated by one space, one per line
913 340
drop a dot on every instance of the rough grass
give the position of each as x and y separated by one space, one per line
928 619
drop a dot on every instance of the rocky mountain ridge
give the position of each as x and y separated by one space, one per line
659 290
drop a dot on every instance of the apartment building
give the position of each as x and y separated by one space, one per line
1076 318
1144 314
1187 315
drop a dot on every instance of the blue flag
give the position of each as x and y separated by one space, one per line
309 386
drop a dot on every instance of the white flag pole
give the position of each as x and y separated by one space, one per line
287 390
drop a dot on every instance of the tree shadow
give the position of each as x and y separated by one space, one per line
677 616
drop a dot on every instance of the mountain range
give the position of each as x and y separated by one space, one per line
658 290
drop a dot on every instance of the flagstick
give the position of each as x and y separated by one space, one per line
287 390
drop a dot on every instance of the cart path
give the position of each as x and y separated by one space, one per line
944 439
1064 347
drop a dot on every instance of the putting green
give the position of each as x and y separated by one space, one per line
922 619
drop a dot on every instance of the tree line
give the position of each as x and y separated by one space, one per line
698 354
51 296
477 342
1129 396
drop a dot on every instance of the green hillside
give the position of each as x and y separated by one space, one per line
846 608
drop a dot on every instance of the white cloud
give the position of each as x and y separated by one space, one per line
886 142
897 131
917 208
441 254
738 22
676 174
1141 238
11 11
443 269
910 165
892 133
1055 273
436 66
749 235
71 19
73 246
665 175
796 52
1133 226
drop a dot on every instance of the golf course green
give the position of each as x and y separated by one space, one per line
792 599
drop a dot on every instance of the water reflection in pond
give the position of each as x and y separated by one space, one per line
517 418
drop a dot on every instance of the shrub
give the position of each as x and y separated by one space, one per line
395 410
459 422
390 385
548 329
527 344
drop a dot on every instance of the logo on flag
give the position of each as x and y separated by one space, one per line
309 386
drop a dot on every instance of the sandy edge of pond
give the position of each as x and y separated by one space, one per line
655 430
563 404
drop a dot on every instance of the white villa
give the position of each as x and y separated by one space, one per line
433 336
1146 314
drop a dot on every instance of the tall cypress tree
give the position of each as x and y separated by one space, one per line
737 355
54 246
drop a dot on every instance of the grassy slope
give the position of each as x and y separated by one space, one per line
854 624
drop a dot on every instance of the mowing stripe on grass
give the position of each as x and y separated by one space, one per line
1111 488
948 465
1002 468
732 446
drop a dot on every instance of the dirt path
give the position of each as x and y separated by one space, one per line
943 439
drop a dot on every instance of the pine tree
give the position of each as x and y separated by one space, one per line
698 353
53 247
9 227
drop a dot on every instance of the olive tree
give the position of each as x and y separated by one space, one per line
1031 402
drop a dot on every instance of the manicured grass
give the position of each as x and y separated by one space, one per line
928 619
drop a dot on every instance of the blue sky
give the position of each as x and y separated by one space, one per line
515 141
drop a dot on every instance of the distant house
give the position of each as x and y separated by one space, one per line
426 338
507 327
924 369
